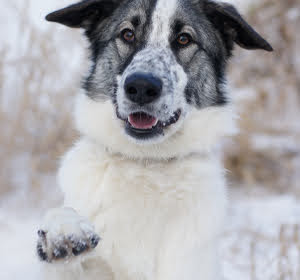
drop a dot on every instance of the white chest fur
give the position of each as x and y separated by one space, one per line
147 213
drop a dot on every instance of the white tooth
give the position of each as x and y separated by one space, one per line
155 123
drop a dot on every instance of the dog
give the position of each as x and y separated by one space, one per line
144 187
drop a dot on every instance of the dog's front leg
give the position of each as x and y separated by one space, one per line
65 242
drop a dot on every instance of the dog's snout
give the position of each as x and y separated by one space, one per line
143 88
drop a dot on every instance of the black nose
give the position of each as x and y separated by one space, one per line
143 88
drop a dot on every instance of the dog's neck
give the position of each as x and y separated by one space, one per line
152 160
201 133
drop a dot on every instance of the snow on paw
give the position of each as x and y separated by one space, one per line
64 235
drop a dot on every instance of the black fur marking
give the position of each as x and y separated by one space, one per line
114 96
222 99
60 253
82 13
177 26
42 255
128 60
94 241
97 48
219 66
42 233
87 83
79 248
233 27
96 45
188 95
197 52
136 21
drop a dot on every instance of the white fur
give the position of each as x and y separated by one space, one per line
161 20
158 208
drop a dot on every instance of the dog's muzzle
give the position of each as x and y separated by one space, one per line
143 92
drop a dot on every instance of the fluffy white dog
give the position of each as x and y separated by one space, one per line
145 196
158 209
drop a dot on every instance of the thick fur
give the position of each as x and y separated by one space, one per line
158 209
158 203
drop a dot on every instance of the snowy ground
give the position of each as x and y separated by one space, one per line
261 239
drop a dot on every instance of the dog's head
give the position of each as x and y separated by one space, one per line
156 61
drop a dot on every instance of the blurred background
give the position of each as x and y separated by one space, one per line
40 69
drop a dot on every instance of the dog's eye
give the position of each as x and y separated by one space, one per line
128 35
184 39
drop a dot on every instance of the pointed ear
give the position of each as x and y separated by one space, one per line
83 13
233 27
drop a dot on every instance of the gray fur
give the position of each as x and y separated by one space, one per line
193 76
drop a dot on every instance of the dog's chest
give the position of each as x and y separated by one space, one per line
137 207
131 237
138 203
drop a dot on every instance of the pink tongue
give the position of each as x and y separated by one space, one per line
142 121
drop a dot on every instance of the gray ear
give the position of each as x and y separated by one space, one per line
83 13
233 27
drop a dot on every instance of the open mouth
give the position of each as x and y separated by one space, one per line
143 125
142 121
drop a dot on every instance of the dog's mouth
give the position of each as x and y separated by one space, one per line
142 121
142 125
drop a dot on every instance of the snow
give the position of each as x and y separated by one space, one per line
18 259
262 238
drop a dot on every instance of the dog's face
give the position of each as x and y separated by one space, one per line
156 60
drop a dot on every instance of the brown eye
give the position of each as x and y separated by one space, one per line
128 35
184 39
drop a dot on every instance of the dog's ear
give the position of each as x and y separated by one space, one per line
80 15
233 27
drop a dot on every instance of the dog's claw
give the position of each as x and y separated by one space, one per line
42 255
60 253
79 248
42 234
94 241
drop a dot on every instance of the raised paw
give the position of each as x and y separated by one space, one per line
65 235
